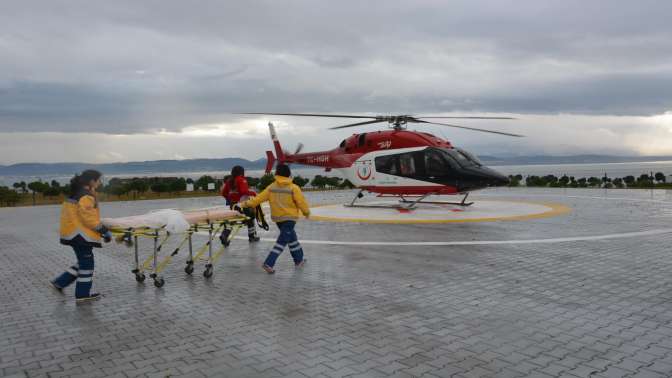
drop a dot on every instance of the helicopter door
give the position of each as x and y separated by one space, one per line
435 164
388 164
409 164
437 168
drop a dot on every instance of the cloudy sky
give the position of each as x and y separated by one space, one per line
105 81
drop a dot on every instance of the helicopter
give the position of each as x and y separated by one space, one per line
409 165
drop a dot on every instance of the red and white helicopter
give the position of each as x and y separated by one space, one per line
411 165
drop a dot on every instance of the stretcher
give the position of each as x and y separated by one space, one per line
160 226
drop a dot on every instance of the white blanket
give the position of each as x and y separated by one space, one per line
172 220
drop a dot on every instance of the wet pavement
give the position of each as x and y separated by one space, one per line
588 293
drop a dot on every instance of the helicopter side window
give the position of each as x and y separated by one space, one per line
407 164
435 163
342 144
388 164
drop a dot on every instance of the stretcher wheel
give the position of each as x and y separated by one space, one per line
189 269
140 277
159 282
208 272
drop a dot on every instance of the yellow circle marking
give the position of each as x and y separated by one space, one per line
556 209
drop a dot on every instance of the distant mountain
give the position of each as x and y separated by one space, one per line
572 159
140 167
225 164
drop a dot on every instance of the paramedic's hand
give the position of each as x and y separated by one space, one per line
104 233
107 236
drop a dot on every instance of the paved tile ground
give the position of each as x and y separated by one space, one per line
600 308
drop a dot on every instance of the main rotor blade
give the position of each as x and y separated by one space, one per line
314 115
357 124
469 128
459 117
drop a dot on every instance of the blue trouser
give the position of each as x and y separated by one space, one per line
82 272
251 227
287 237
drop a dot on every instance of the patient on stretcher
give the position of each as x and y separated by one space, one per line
173 221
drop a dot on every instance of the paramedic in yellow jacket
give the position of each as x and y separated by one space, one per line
287 203
81 229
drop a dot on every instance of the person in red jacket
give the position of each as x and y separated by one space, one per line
235 190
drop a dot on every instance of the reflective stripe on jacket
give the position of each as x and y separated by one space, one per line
286 200
80 220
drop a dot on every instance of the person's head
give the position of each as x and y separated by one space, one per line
89 179
283 170
237 171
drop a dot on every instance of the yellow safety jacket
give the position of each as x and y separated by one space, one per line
285 198
80 220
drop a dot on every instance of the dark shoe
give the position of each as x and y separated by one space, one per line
301 263
254 238
224 237
268 269
90 298
56 287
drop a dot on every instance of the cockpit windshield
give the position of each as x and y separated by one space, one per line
470 156
462 157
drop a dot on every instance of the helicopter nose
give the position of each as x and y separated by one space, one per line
500 180
483 178
496 179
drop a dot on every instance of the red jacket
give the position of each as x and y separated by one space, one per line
239 189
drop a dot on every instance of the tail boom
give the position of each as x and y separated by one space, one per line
270 161
276 143
324 159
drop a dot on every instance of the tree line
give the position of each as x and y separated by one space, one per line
138 186
644 181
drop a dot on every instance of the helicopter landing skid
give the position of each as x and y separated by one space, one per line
407 204
463 203
360 194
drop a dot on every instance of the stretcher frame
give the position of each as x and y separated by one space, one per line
228 228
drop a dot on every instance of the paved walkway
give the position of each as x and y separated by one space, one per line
578 308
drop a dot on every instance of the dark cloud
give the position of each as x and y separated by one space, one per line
34 106
613 94
127 67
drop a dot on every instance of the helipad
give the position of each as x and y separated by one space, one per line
481 211
554 293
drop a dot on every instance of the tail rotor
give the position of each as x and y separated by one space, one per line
281 155
298 149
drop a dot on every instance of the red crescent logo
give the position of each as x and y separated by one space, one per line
367 172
